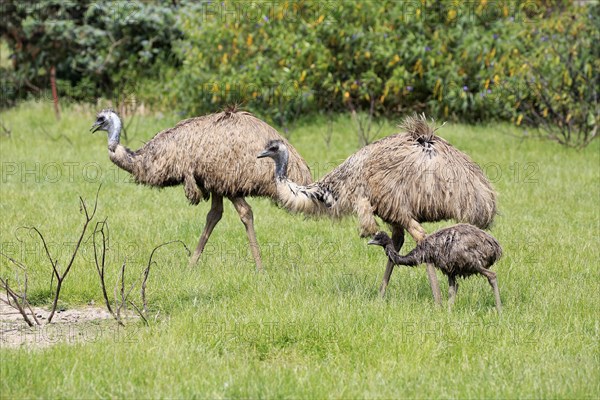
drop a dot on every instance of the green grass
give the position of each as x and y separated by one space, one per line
313 324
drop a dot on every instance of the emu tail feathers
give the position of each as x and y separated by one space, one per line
311 199
417 126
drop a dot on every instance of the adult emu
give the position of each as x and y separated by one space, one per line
405 179
460 250
212 156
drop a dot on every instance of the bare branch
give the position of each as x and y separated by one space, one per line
122 287
17 263
143 289
60 278
57 137
139 312
364 124
117 304
20 302
5 130
24 302
52 262
100 266
147 270
11 294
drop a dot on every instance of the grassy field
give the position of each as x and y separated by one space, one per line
313 325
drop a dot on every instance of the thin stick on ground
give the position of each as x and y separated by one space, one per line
121 297
11 294
100 265
60 277
147 271
140 313
122 292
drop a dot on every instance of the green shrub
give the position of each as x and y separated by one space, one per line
533 62
554 83
450 58
97 49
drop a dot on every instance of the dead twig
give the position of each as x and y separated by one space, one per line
100 264
139 312
60 277
122 291
11 294
147 270
329 133
364 123
121 296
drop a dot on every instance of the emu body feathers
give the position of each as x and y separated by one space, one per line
410 176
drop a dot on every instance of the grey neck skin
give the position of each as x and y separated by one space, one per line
114 132
281 164
412 259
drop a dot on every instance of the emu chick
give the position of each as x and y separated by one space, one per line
460 250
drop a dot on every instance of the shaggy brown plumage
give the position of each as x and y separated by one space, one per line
209 155
458 251
406 179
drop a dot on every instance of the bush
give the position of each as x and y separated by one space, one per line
533 62
555 81
96 49
454 60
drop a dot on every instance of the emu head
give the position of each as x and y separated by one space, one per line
106 120
380 239
274 149
278 151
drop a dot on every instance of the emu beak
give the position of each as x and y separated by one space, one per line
95 127
372 241
263 154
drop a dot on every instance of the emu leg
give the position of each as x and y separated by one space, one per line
212 218
452 290
418 233
398 240
491 276
245 212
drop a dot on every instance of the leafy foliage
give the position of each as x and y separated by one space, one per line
558 85
455 60
96 48
532 62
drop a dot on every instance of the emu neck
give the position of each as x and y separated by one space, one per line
114 133
309 199
396 258
281 166
122 157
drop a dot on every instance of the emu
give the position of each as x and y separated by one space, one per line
458 251
405 179
212 157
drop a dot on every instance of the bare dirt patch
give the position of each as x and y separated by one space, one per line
77 325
